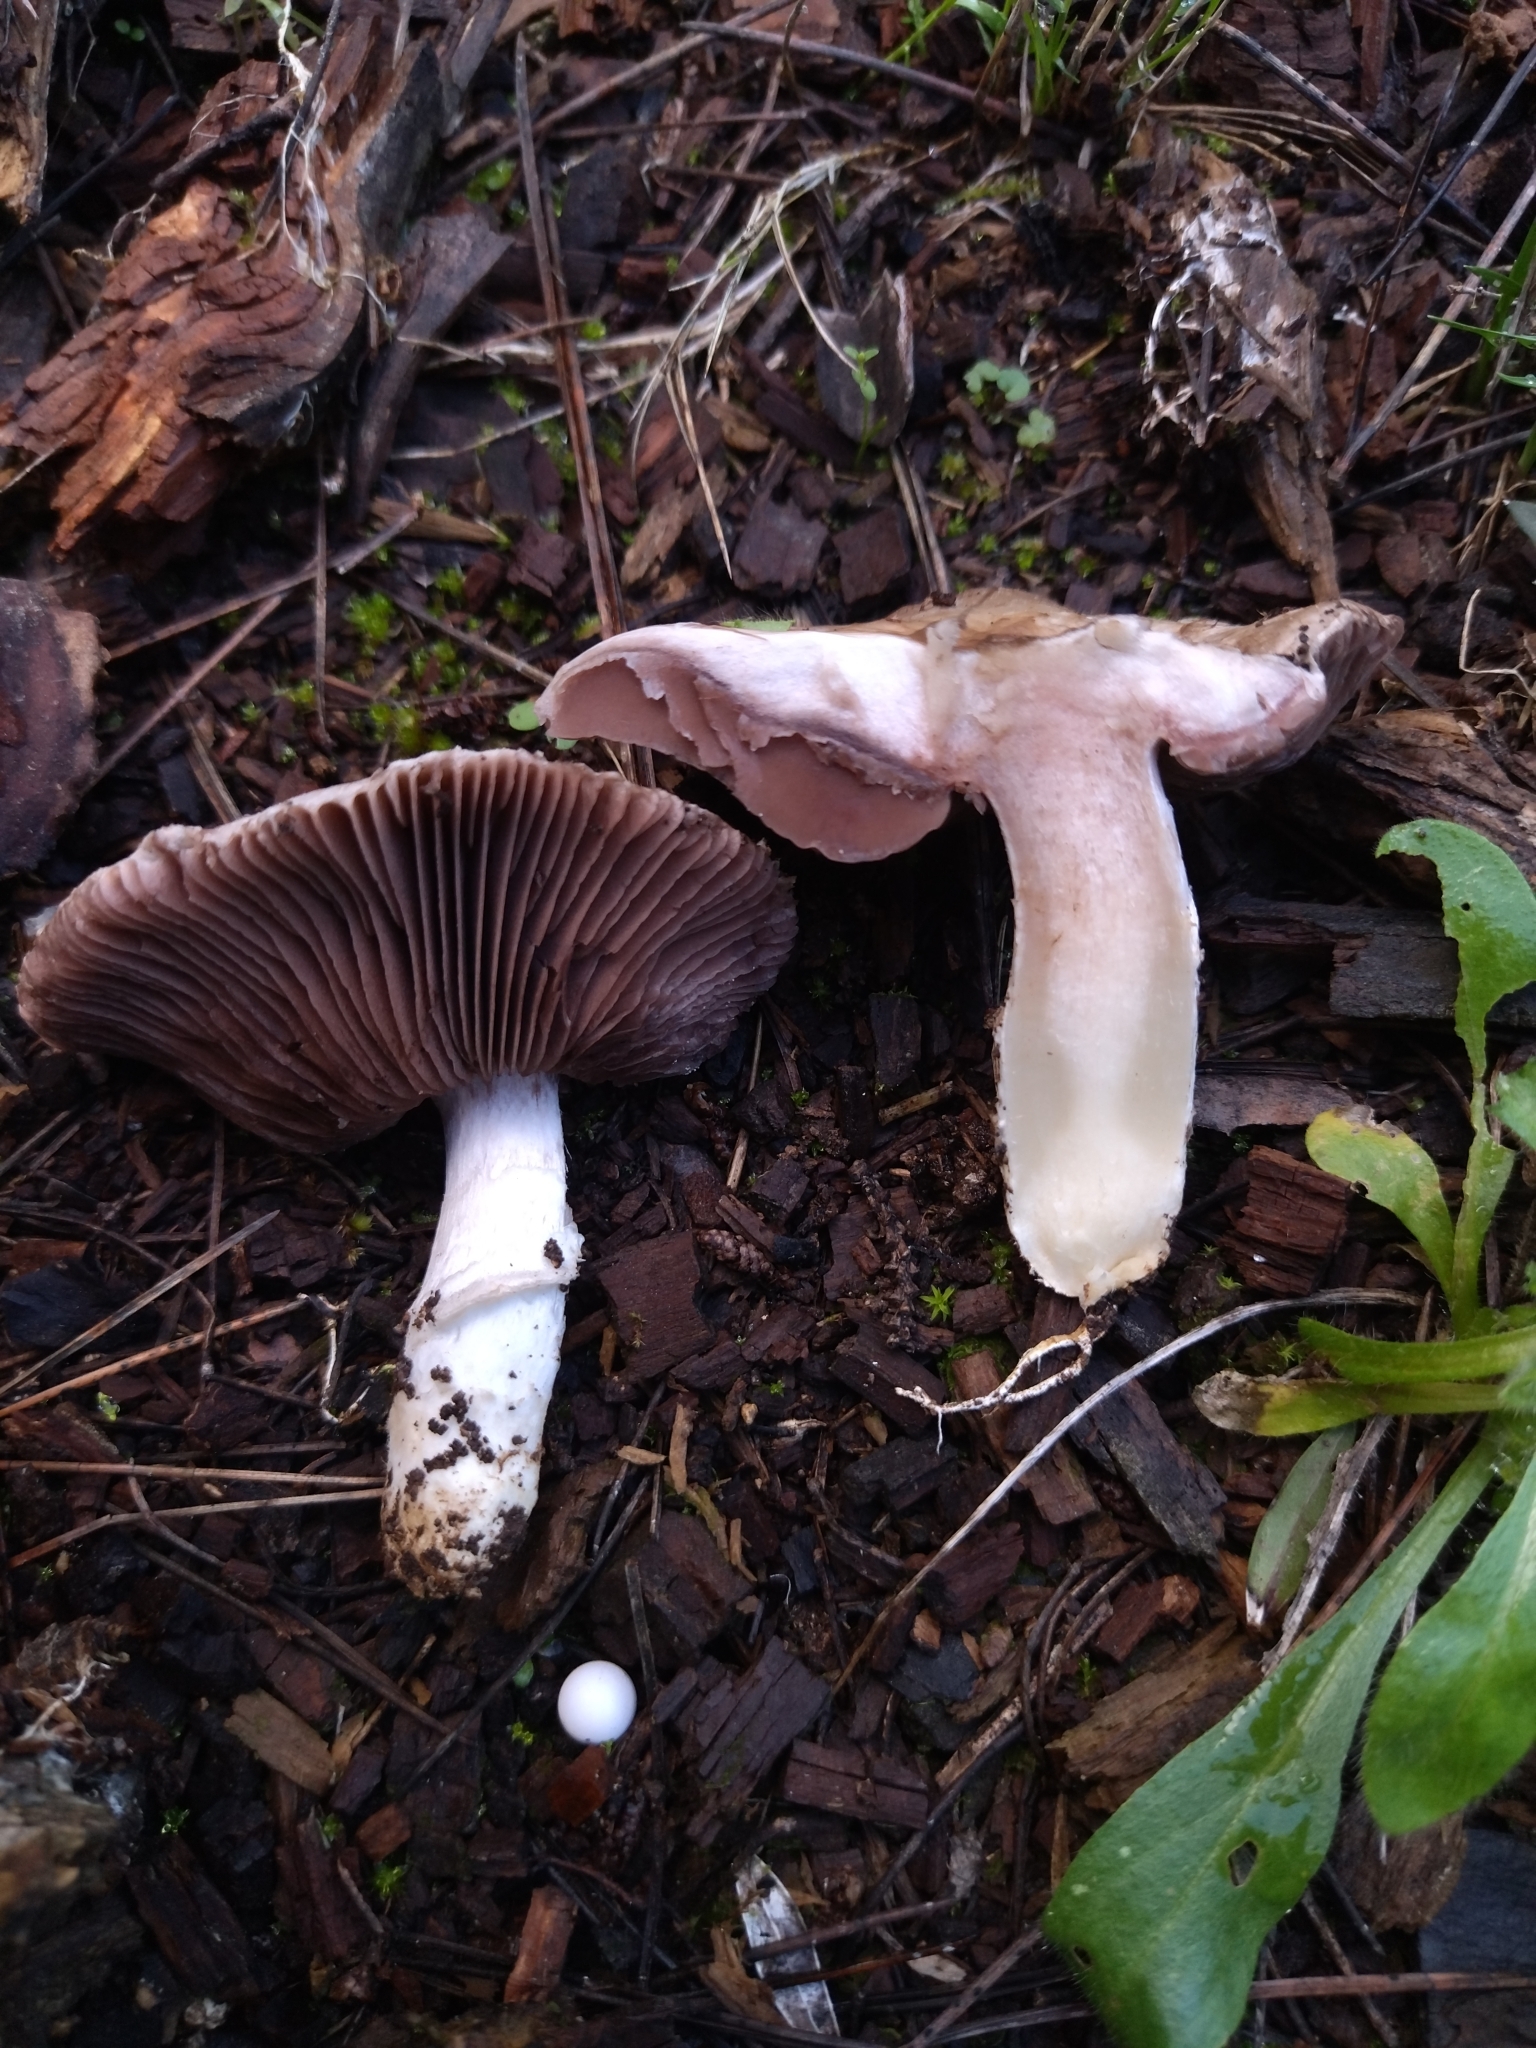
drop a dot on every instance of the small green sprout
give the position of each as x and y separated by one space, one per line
388 1878
524 717
174 1819
332 1826
519 1731
939 1302
106 1407
486 183
371 615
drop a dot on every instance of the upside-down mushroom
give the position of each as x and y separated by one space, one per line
463 927
852 740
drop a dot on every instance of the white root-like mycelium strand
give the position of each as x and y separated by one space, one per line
460 928
852 740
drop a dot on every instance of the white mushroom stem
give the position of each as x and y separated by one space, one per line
466 1428
850 742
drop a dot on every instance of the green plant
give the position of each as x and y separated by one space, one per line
371 615
1012 387
939 1302
485 184
388 1878
174 1819
1165 1909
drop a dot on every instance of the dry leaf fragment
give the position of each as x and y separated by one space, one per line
727 1977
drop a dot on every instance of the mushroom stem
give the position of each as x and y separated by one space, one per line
482 1348
1096 1048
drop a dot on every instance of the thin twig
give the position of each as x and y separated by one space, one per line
486 650
1431 348
125 1470
334 1649
341 564
835 53
541 1636
269 1314
1021 1946
233 1507
1333 1297
140 1301
607 595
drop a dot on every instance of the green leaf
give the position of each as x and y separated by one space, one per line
1279 1554
1264 1407
1372 1361
1038 431
1396 1173
1488 1170
1457 1708
1514 1102
1490 913
524 716
1523 514
1164 1911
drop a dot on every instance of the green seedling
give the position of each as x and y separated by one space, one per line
388 1879
939 1302
1010 387
1165 1910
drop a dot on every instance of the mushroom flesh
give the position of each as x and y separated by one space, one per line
851 741
462 927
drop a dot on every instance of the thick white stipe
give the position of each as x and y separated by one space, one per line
466 1429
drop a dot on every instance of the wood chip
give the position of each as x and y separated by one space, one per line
282 1740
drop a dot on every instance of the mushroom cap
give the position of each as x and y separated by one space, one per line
855 754
48 663
320 968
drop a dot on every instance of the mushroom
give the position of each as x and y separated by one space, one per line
851 741
48 663
464 927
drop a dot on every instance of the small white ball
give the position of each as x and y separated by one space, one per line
597 1702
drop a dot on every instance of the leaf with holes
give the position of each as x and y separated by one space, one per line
1488 910
1457 1708
1164 1911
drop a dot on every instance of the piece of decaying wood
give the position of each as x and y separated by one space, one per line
1182 1495
881 1376
1292 1223
739 1726
26 67
445 259
282 1740
209 341
1386 963
1136 1730
1141 1609
853 1781
48 663
192 1923
546 1935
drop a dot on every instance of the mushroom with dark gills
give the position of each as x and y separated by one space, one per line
463 927
852 741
